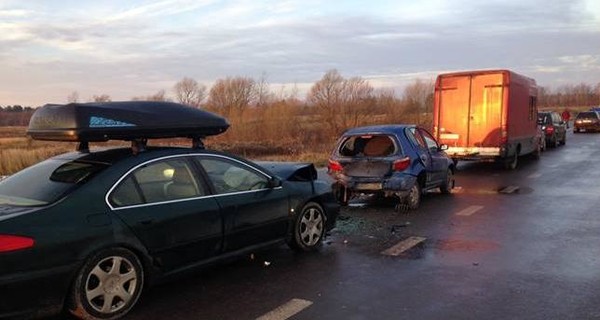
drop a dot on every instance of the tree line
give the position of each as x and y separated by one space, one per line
332 104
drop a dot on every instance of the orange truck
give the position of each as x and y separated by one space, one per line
486 115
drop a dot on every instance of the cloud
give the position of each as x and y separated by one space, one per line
134 49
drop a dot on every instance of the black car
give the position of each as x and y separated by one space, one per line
554 128
88 231
393 161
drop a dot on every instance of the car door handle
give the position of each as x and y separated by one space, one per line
147 222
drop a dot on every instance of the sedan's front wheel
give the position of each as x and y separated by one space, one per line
107 286
309 228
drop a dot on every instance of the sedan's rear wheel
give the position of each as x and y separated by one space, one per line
309 228
107 286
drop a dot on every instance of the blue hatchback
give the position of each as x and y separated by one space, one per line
400 161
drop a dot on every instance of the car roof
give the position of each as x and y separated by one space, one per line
386 128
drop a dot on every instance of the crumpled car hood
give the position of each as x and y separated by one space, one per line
292 171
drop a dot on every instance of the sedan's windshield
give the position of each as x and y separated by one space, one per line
45 182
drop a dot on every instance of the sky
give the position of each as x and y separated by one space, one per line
125 49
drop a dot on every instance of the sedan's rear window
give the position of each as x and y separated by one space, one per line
46 182
587 115
368 146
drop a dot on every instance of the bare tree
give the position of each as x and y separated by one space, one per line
230 94
101 98
263 94
159 96
188 91
73 97
341 102
418 98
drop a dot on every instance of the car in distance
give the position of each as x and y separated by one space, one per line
554 128
399 161
587 121
89 230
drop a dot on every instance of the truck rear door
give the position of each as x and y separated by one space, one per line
470 110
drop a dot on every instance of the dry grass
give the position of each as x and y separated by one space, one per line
18 151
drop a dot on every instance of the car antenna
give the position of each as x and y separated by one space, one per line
197 143
84 146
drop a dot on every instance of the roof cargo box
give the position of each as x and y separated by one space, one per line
127 120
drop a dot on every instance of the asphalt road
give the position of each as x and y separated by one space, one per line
530 253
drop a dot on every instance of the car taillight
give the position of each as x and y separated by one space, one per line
334 166
549 130
402 164
13 243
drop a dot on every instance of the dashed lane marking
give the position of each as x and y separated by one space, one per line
286 310
469 211
402 246
534 175
509 189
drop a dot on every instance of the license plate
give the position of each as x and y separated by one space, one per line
369 186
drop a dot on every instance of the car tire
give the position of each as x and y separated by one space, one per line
116 274
554 141
309 228
512 162
413 199
543 144
564 139
446 187
341 193
537 153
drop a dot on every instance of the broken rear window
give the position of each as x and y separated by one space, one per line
368 146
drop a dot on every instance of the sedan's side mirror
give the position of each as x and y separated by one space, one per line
443 147
273 183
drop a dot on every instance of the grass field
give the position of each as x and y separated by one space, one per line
17 151
254 137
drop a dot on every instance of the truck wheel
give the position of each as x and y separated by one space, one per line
511 163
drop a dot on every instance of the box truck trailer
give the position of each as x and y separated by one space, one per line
486 115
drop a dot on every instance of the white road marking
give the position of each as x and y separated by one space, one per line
469 211
457 190
402 246
509 189
286 310
534 176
